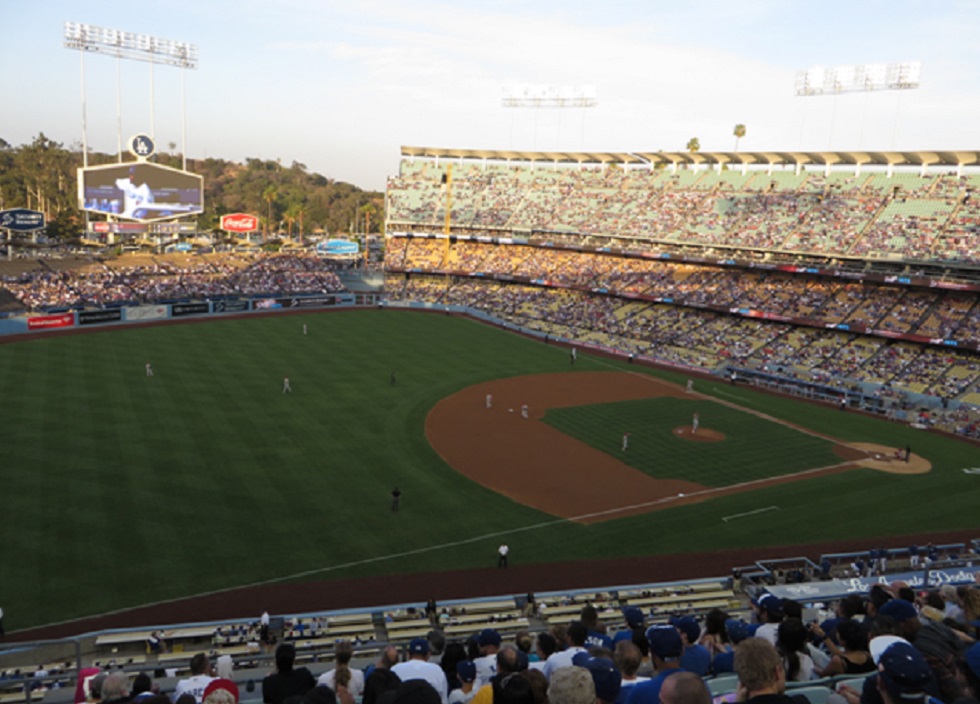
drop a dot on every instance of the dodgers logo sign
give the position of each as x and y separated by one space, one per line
141 146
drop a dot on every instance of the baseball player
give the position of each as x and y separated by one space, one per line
489 400
286 388
149 369
626 441
695 422
524 413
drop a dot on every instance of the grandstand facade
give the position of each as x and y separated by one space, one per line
852 274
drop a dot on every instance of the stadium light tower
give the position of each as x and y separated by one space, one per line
548 96
859 78
140 47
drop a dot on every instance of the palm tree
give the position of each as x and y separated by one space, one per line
269 196
739 132
693 145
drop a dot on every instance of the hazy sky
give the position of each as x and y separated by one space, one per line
341 86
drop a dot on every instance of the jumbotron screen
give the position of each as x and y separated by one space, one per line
140 191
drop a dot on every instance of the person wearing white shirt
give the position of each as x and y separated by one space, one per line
418 667
577 633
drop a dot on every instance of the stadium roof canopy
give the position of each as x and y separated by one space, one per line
953 159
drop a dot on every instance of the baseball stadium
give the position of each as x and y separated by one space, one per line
556 383
495 383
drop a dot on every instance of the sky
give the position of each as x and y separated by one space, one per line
341 86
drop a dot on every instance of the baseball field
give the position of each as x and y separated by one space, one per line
121 489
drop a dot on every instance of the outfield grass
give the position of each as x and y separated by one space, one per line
120 490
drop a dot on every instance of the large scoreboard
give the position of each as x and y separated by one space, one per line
140 191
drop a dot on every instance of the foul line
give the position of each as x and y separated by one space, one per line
749 513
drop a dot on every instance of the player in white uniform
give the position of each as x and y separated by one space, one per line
489 400
524 412
626 441
690 386
133 196
286 388
304 328
149 369
695 422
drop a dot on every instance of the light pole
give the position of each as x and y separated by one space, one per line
859 78
548 96
86 38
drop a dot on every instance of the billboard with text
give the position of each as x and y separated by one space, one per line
140 191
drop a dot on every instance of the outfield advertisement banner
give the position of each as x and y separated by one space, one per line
42 322
146 313
179 309
229 306
94 317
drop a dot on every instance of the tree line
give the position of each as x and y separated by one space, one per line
288 200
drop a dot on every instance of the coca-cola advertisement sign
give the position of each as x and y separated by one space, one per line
239 222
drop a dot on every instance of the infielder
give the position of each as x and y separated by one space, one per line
149 369
524 413
286 388
695 422
489 400
626 441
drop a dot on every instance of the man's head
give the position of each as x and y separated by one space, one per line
688 627
905 615
903 674
546 645
115 687
285 657
628 658
466 671
418 649
577 633
590 617
634 616
489 640
510 660
684 688
389 657
606 678
220 691
571 685
665 644
759 667
200 664
769 609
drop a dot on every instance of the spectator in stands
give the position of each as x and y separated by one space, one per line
628 659
381 679
666 649
286 681
791 641
696 657
684 688
156 642
575 643
571 685
539 685
414 691
143 687
201 676
510 661
84 684
769 613
454 654
847 609
737 631
343 675
635 622
971 671
606 677
597 633
938 643
115 688
418 667
903 675
486 664
761 677
525 643
221 691
715 637
466 674
852 656
545 646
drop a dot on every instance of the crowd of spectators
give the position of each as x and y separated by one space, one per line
147 279
913 217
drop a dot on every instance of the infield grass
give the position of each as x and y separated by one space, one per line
120 490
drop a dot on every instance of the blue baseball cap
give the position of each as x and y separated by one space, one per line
418 646
665 641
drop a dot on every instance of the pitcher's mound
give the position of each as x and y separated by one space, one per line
685 432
